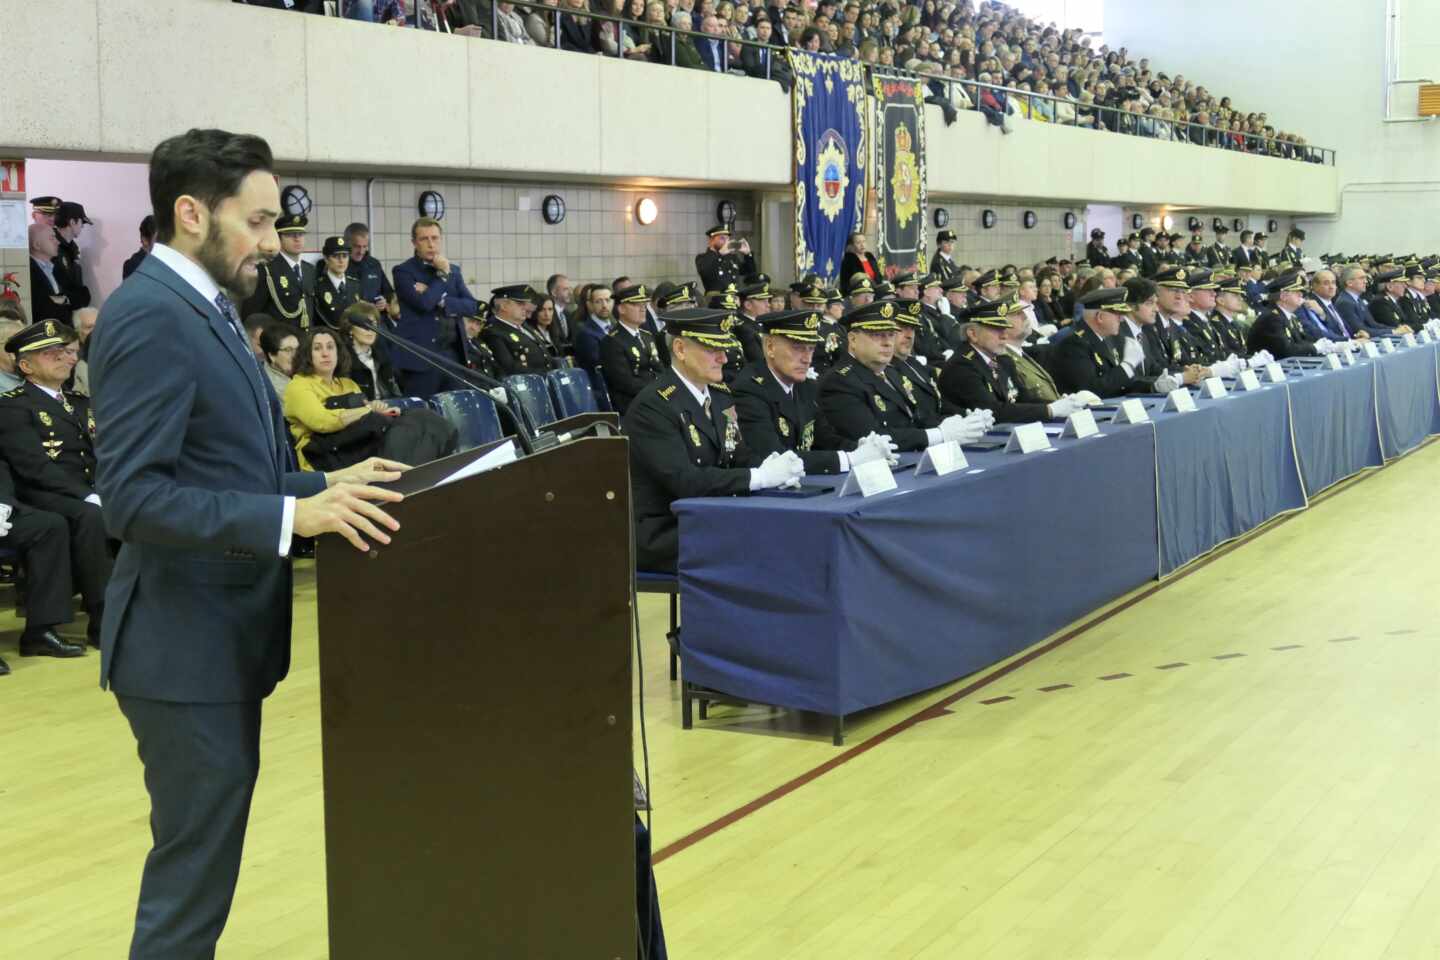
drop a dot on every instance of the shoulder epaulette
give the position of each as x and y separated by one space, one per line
724 387
16 392
666 391
843 371
760 380
970 355
614 329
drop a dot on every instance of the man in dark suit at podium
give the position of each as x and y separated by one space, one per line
198 484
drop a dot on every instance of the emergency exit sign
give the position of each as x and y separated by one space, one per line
12 176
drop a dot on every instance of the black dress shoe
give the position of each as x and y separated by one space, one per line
4 667
45 643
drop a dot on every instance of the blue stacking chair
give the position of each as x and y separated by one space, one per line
407 403
473 414
530 392
667 583
600 389
571 391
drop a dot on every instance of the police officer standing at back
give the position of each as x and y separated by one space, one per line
1095 252
287 284
943 264
724 262
685 437
70 221
47 436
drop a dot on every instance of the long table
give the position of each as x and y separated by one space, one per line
837 604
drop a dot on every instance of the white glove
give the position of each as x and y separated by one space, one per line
777 470
1166 382
498 394
93 498
1085 398
1062 408
947 354
883 443
1324 347
962 429
918 359
1043 340
1133 354
987 417
1260 358
1225 368
810 374
1047 329
873 447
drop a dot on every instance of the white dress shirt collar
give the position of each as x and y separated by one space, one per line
701 394
189 271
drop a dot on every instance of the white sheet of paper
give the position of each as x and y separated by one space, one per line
1179 400
501 455
1080 424
14 224
868 479
1387 346
1027 438
941 459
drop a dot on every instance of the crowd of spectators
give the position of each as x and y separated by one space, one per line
987 57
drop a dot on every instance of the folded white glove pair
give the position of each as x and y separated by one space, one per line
1167 382
962 430
874 446
1085 398
1260 358
1062 408
1225 368
1047 329
987 416
779 469
1326 347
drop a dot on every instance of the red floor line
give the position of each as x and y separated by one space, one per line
899 727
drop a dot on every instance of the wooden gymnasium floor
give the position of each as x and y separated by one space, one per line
1241 763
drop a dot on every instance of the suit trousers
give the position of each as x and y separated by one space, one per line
201 761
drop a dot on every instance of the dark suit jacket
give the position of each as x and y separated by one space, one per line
714 54
42 307
193 467
752 61
129 266
421 313
574 35
588 336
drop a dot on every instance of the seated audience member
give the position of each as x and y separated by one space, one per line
857 262
762 62
147 240
472 350
629 356
279 343
575 32
9 377
1387 308
1319 314
511 25
916 375
335 289
543 327
1088 361
369 355
332 423
862 393
1350 302
685 437
47 436
1279 331
517 348
85 319
778 403
983 376
255 325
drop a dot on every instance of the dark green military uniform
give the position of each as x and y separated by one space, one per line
680 449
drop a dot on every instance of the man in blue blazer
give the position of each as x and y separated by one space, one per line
430 289
599 303
197 482
1350 303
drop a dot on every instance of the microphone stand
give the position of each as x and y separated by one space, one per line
529 438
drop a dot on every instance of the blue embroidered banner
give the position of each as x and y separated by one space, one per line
829 104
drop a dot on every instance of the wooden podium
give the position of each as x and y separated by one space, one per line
476 710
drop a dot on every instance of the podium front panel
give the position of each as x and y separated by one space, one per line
476 710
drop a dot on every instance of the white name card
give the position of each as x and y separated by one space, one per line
1409 339
1028 438
1332 361
1130 411
941 459
1387 346
1080 424
1213 388
1347 356
1179 400
868 479
1371 349
1274 373
1247 381
1425 337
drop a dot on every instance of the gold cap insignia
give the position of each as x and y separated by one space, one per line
812 322
1003 309
1179 274
887 311
727 324
49 328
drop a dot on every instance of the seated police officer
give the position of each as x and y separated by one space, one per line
515 348
1088 359
47 437
685 437
983 376
918 380
629 356
1279 330
778 403
862 393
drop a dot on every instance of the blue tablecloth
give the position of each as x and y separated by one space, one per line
837 604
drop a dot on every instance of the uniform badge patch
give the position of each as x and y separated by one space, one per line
783 426
694 435
879 403
284 282
807 435
45 419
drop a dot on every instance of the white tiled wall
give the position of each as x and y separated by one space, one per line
1008 241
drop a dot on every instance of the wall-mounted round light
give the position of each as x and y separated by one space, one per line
552 208
1028 220
1069 220
725 213
1136 222
432 205
646 211
1217 223
1238 223
295 200
987 219
1272 226
1168 222
1195 224
942 218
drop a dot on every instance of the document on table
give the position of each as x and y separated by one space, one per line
501 455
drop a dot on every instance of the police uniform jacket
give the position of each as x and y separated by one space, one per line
331 301
919 383
1388 312
1149 260
1085 361
831 346
970 382
719 270
283 292
50 445
677 451
1281 335
132 264
1419 309
1230 334
1096 255
1179 346
629 361
747 331
70 275
516 349
423 313
1288 254
372 280
44 297
855 402
1209 347
773 421
943 267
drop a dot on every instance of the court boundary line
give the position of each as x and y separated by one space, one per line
939 707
